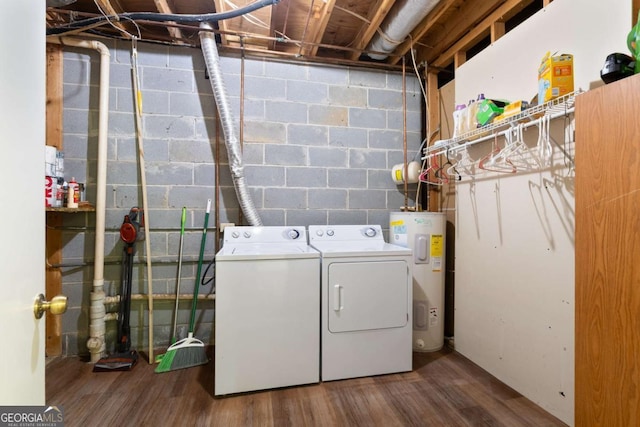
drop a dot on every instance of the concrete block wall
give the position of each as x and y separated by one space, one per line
319 143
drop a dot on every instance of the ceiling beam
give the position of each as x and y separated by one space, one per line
223 25
380 11
108 9
507 10
164 7
467 17
322 11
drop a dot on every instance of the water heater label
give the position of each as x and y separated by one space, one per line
437 243
433 316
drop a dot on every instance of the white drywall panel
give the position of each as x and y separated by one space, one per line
515 233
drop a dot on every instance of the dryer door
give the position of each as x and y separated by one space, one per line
367 295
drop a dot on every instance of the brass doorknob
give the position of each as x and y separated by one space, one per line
57 305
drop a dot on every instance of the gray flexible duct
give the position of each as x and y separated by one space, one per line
212 60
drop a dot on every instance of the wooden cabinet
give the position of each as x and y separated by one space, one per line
607 185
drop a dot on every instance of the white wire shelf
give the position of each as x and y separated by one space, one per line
558 107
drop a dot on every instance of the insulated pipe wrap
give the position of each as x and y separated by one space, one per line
211 58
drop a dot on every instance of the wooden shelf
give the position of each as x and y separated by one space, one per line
82 207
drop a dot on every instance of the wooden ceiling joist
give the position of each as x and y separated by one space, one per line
427 23
164 7
321 12
468 16
108 9
379 11
507 10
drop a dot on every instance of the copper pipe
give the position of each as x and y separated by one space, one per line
241 130
216 166
404 132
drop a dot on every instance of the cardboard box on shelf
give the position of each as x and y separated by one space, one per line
555 77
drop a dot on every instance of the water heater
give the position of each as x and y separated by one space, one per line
424 233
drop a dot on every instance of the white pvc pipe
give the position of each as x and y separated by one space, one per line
96 341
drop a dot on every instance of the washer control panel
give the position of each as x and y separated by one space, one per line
263 234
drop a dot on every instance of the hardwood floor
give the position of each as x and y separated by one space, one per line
444 389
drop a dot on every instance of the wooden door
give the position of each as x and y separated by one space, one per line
608 255
22 131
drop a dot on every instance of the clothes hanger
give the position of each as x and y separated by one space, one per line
451 170
443 173
434 167
544 149
466 164
494 162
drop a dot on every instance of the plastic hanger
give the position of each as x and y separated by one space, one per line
495 161
451 170
439 178
544 150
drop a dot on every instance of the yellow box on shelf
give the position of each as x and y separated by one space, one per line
555 77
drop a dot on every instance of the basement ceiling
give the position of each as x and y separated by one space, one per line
329 31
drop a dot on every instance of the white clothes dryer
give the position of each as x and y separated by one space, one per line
366 302
267 319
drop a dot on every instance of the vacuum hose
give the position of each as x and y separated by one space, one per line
211 58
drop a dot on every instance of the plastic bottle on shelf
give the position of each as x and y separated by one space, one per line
470 121
477 108
458 118
74 194
59 164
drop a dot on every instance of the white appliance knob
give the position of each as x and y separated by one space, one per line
319 233
235 234
246 234
370 232
330 233
294 234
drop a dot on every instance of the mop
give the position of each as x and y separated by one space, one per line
124 358
189 351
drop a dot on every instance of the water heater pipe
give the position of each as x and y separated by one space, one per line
401 20
234 151
96 341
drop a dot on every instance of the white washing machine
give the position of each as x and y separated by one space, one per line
267 315
366 302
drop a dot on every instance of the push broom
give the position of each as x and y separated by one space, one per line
189 351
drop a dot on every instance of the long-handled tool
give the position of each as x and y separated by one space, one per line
124 358
189 351
174 336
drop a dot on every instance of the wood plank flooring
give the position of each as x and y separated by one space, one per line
444 389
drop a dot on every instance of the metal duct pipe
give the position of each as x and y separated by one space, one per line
211 58
401 20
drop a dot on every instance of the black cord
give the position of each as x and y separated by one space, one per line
161 17
206 270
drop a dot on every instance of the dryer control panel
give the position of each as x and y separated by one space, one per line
351 233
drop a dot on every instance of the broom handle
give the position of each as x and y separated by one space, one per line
196 288
183 220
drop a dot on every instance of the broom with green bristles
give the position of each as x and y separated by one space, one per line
189 351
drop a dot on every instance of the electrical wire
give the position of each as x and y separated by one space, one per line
115 26
162 17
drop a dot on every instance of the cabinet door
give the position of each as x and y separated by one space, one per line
608 255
